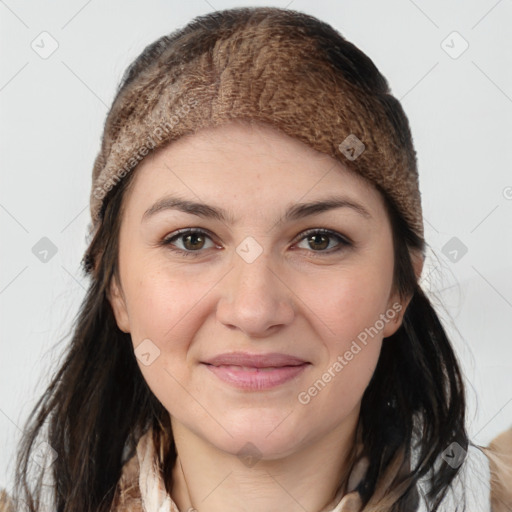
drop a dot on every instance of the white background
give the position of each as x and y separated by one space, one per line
52 114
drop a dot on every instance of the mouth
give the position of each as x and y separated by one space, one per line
255 372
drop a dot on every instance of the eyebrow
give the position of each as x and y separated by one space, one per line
294 212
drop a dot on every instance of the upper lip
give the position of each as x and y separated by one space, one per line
255 360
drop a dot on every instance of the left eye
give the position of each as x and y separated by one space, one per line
322 238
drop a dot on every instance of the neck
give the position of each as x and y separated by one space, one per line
312 478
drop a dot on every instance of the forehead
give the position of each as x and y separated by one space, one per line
248 165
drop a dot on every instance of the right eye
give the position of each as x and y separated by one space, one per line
192 240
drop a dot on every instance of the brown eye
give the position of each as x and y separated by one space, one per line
193 241
188 242
320 240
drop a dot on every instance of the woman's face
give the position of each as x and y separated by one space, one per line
258 327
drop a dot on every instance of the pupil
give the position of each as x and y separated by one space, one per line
314 237
193 237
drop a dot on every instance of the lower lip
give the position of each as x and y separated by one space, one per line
256 379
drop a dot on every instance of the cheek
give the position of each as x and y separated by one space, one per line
165 311
349 308
348 303
160 304
167 308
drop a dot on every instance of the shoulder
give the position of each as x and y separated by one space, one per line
470 487
499 453
484 481
127 497
6 504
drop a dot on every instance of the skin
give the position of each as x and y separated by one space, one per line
297 297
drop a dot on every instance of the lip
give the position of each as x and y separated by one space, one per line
255 372
273 359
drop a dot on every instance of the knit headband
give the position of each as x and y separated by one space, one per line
269 65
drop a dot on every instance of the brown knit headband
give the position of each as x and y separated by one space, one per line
269 65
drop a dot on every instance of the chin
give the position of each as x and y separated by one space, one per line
265 436
251 447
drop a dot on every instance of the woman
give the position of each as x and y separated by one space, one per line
254 336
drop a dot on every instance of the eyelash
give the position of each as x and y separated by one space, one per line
344 242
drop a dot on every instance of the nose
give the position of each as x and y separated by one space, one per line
254 298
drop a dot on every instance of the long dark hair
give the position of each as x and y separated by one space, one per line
98 404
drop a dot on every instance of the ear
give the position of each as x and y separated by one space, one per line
396 307
118 303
